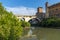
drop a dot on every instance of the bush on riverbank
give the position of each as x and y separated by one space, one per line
25 24
50 22
10 27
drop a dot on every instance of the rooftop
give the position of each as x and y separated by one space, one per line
54 5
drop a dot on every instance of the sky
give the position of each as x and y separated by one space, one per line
26 7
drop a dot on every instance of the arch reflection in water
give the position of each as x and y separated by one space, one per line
30 31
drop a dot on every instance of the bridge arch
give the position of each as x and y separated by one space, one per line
27 18
34 21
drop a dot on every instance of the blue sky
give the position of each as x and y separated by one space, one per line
25 7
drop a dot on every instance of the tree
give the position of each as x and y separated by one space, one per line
50 22
25 24
10 26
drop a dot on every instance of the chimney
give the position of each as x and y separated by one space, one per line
39 10
47 13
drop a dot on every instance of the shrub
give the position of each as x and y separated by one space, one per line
10 26
50 22
25 24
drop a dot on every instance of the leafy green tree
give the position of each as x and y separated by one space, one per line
51 22
25 24
10 26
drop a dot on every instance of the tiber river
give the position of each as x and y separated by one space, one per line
44 33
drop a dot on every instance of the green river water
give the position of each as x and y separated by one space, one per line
46 33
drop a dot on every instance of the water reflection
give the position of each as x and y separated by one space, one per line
44 33
30 32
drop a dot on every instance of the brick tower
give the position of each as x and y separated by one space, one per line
39 10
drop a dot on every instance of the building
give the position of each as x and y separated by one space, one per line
51 11
54 10
40 13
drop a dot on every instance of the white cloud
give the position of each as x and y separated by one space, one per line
22 10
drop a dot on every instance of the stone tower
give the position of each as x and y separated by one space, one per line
47 13
40 13
39 10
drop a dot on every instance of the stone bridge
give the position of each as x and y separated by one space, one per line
27 18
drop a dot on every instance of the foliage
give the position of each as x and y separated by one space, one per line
10 26
50 22
25 24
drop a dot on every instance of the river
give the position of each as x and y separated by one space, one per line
45 33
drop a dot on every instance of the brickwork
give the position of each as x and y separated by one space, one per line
54 10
